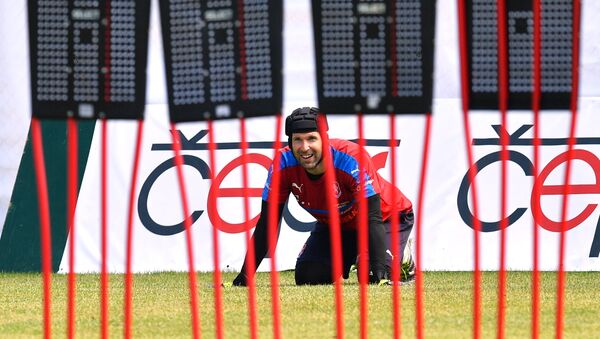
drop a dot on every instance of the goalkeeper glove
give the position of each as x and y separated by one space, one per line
240 280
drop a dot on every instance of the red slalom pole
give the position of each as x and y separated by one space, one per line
250 245
104 280
215 239
72 178
503 105
44 211
272 232
334 229
535 104
464 62
251 256
363 235
395 222
560 293
420 307
188 234
128 302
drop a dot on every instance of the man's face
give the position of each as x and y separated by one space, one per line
308 150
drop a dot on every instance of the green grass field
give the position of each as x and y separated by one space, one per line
161 306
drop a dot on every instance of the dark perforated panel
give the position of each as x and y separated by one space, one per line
223 58
557 45
374 56
88 58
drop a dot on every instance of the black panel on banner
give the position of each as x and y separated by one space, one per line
223 58
556 53
374 56
88 58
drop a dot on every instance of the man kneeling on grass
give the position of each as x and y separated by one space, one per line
301 174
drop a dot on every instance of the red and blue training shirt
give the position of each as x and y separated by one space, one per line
310 193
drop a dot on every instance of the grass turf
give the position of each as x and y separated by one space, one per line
161 306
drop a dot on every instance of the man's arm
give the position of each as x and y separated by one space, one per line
377 245
260 238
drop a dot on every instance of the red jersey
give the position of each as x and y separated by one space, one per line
310 193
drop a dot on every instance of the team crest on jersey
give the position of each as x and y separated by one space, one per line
337 190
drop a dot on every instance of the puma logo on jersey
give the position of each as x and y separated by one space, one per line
299 188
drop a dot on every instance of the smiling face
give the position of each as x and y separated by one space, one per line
308 150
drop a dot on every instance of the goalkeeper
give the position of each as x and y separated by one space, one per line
301 174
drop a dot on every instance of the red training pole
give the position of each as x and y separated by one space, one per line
535 104
560 293
420 307
394 220
272 231
196 332
464 62
215 239
128 303
72 178
251 254
244 96
396 311
44 211
503 80
363 235
334 229
104 280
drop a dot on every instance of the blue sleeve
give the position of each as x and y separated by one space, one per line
350 165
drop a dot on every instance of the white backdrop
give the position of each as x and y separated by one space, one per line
447 241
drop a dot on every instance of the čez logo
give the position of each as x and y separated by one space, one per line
540 188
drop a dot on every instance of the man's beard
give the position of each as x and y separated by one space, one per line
309 165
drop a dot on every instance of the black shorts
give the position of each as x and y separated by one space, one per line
318 245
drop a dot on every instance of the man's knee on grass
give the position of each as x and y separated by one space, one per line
312 273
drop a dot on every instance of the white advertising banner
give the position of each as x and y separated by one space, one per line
159 240
448 235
